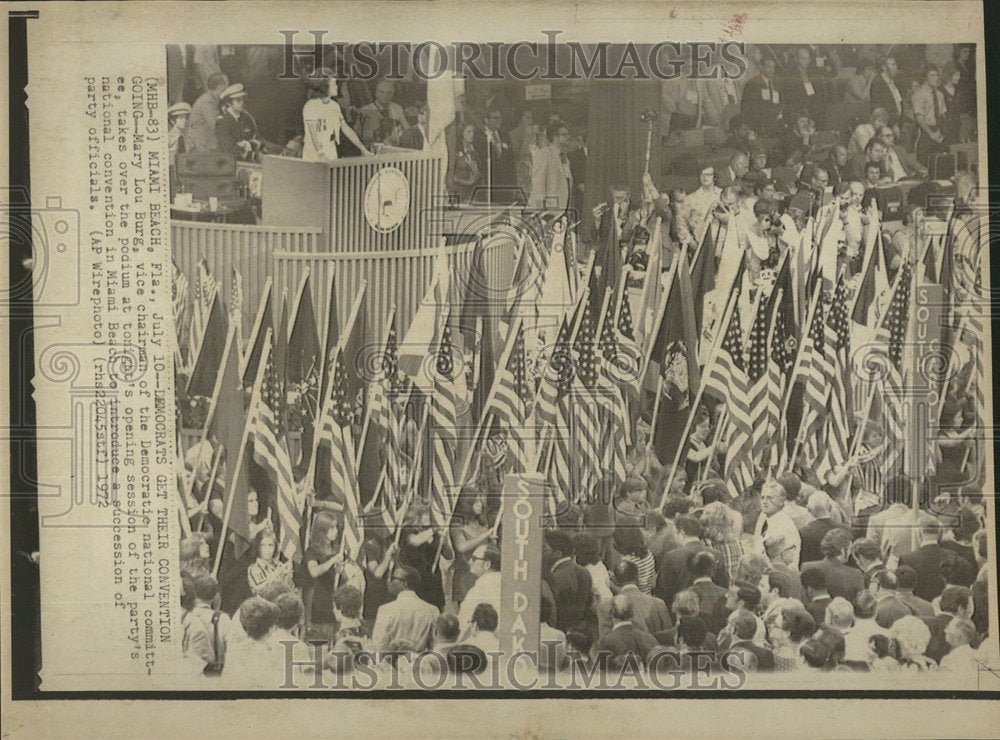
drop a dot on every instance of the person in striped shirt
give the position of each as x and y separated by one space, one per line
630 543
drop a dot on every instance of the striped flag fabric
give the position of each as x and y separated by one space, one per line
444 416
757 383
617 371
892 333
336 434
510 401
778 361
270 452
582 412
236 304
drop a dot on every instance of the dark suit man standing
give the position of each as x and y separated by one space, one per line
956 601
817 596
673 573
570 582
868 557
625 640
927 560
812 534
761 101
906 579
841 579
884 93
744 625
497 158
648 612
711 597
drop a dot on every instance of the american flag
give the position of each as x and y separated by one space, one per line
555 378
757 383
623 356
510 402
728 379
838 417
813 371
444 415
236 305
779 359
336 434
389 383
610 401
892 333
270 452
584 415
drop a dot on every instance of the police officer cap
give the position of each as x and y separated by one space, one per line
233 91
178 108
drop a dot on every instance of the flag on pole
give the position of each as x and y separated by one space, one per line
263 321
336 434
302 372
236 304
270 453
208 351
444 416
510 401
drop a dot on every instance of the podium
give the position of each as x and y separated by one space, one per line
381 203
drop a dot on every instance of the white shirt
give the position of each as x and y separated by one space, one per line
856 640
780 534
486 590
325 115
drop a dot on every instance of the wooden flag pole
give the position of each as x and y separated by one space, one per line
231 484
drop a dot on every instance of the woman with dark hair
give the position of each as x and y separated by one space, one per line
327 568
267 568
631 545
418 548
469 530
951 77
463 168
699 446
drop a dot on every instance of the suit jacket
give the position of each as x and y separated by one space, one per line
412 138
927 561
907 159
817 608
918 606
857 164
551 180
674 576
571 589
760 114
811 535
712 599
626 639
500 160
889 609
938 647
881 97
765 658
841 579
648 612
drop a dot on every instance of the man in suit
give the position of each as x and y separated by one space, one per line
899 163
551 175
407 620
624 641
928 558
956 601
761 101
711 596
841 579
648 612
889 607
743 625
619 212
868 557
497 158
570 582
836 164
884 93
906 579
874 152
379 110
415 137
812 534
673 574
817 598
739 166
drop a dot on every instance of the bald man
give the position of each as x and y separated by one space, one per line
381 109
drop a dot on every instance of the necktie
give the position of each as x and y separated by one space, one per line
937 107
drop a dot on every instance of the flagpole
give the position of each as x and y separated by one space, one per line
231 484
208 489
697 400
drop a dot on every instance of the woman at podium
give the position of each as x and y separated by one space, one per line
324 122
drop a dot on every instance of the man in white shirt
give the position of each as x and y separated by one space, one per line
865 626
407 620
781 538
485 565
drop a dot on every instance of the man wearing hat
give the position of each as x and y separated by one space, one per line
236 130
177 118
